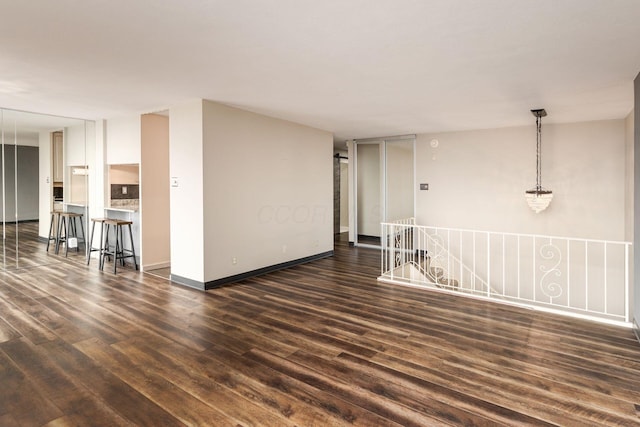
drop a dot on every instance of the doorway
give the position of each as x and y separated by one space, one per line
154 195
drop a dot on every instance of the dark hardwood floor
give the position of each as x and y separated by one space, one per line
321 344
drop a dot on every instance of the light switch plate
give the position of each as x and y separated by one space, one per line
174 181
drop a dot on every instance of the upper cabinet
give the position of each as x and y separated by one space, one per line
58 157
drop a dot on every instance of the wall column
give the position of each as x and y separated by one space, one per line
635 291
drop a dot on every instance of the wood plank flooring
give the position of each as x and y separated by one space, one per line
20 247
322 344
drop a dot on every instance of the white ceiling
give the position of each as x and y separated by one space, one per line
357 68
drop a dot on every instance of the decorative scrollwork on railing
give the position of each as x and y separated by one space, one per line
549 287
437 255
397 240
398 248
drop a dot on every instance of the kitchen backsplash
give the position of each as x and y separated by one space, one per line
125 191
125 196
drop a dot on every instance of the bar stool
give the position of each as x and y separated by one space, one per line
67 223
53 230
99 248
119 253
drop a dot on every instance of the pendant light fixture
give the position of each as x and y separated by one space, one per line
539 198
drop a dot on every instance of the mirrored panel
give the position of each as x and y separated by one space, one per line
384 185
44 176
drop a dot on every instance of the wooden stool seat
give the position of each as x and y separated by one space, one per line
112 221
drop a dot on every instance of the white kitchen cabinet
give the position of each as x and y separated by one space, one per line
58 157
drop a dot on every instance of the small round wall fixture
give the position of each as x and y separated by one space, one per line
434 143
538 198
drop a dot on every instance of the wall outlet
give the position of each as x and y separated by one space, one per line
124 189
284 249
234 261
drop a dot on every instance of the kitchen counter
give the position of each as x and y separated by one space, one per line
121 210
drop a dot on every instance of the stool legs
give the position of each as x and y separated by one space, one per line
119 253
133 251
120 248
90 248
66 245
93 227
104 248
84 236
51 236
115 258
61 226
100 258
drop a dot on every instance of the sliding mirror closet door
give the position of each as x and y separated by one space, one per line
8 188
385 185
399 177
35 180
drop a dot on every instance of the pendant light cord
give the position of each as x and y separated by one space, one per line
538 154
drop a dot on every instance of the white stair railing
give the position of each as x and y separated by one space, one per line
582 277
438 252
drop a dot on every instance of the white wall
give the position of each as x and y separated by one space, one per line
399 176
478 178
29 139
187 208
154 192
268 195
635 291
96 138
75 152
123 140
44 184
628 202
